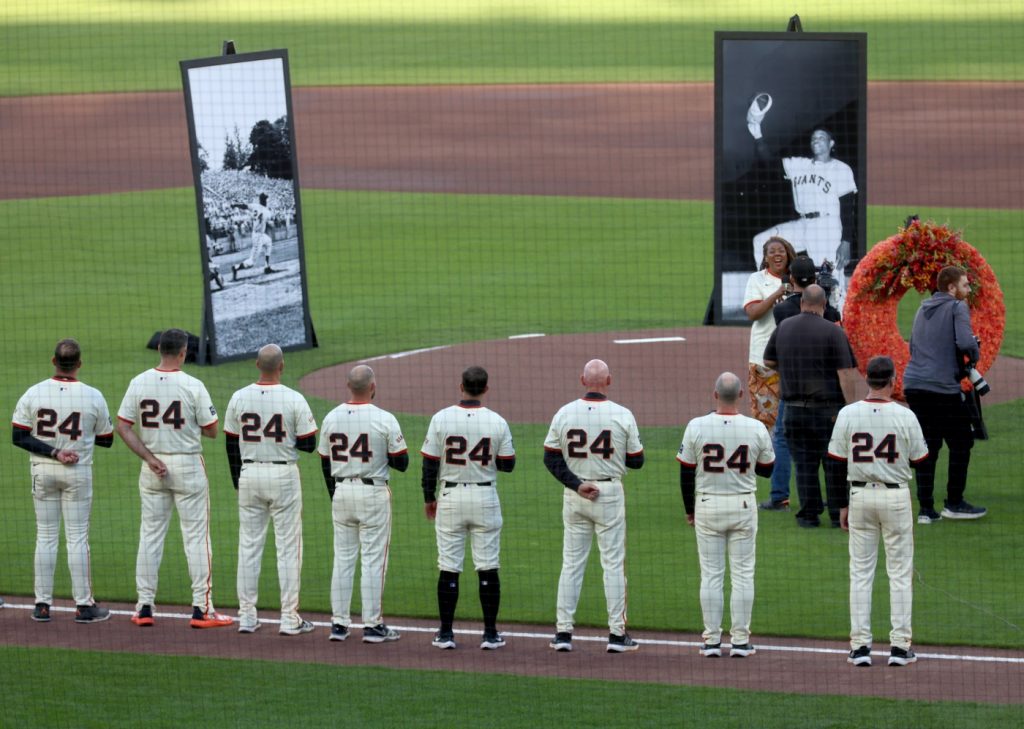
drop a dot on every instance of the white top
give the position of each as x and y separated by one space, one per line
594 436
358 438
817 186
268 419
878 439
171 408
724 449
760 286
466 439
65 414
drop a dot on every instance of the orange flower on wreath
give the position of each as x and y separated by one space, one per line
912 259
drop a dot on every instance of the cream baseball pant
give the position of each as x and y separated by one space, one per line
362 524
582 519
59 490
262 244
473 510
726 525
879 511
269 491
185 488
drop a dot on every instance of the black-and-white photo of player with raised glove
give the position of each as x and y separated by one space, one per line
824 193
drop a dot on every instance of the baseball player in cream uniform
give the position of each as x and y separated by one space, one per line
591 443
265 427
880 441
262 243
59 421
465 447
172 410
721 455
358 444
818 183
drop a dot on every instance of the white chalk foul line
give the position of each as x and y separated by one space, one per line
526 336
649 340
409 353
585 638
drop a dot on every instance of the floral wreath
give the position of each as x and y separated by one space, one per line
912 259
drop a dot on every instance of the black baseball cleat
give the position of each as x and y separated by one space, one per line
91 614
268 269
774 505
621 643
41 613
860 656
711 650
562 642
901 656
742 651
928 516
380 634
338 632
492 641
444 639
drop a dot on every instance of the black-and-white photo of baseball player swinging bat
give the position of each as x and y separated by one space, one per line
790 156
245 172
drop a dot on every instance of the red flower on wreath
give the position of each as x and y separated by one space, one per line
912 259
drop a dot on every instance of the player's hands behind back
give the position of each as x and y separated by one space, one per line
588 491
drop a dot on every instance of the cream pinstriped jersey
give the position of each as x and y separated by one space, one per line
878 440
268 418
358 438
817 186
725 449
467 439
65 414
171 408
594 437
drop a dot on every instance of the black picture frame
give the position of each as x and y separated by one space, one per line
247 199
816 80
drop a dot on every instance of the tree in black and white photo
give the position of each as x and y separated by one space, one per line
271 148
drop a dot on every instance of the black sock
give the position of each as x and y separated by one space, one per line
490 597
447 598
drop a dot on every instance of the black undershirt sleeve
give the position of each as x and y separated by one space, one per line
399 462
688 486
234 457
24 439
556 464
325 466
307 443
764 470
105 441
431 467
505 465
635 460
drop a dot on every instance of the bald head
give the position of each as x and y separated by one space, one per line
728 388
360 379
596 376
270 359
813 299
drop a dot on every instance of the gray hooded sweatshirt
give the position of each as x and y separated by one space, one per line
941 326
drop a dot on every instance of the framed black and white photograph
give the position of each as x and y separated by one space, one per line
245 171
790 156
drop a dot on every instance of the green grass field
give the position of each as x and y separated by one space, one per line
71 46
111 270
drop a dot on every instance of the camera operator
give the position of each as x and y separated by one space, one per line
939 341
